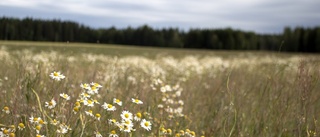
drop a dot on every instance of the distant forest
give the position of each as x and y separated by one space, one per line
297 39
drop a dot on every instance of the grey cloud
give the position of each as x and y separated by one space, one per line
266 16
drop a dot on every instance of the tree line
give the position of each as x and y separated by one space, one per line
297 39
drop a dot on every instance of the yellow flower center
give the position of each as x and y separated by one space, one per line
110 106
117 100
50 103
126 115
76 109
146 124
38 127
6 108
41 122
21 125
98 115
12 135
113 132
93 88
136 100
89 102
85 85
55 74
35 119
77 104
5 131
163 130
138 115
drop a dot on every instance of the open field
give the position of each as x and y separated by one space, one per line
202 93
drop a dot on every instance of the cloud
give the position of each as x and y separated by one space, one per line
261 16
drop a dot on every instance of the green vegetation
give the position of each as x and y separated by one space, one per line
297 39
197 92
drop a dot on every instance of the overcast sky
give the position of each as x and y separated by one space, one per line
262 16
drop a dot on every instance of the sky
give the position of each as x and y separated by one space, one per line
260 16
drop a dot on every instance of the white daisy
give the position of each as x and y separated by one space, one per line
63 129
128 128
4 132
127 123
126 115
97 134
98 116
190 133
54 122
65 96
84 95
108 107
57 76
113 121
88 102
93 90
38 128
117 101
50 104
21 126
95 84
6 110
137 101
89 113
145 124
113 134
34 119
85 86
137 117
125 128
40 135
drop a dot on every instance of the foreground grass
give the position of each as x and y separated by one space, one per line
200 92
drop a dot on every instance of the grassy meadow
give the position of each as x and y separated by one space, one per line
82 90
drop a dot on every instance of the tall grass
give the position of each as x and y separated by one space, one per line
247 94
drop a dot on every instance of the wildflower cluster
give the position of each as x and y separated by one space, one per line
179 133
126 124
170 98
37 123
54 119
128 121
87 109
7 132
171 107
